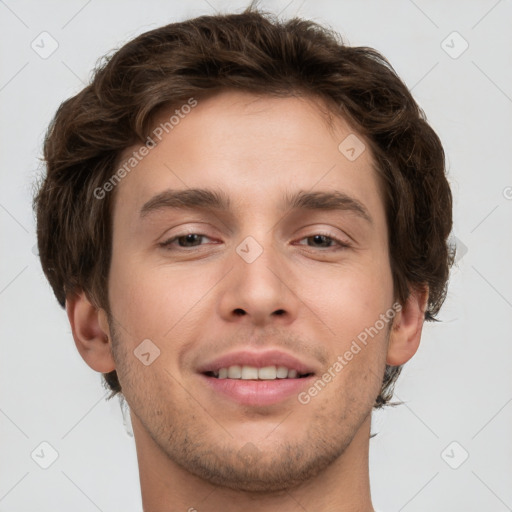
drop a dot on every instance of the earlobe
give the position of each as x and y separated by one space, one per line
91 333
405 335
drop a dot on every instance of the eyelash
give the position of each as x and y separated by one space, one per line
341 244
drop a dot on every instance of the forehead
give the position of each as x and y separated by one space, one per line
246 114
253 144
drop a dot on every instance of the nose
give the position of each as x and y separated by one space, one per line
259 291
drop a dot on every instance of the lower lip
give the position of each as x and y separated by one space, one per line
258 392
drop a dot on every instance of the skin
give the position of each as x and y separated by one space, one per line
198 450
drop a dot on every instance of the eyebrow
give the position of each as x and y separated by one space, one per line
201 198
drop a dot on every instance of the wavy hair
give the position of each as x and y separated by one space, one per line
255 52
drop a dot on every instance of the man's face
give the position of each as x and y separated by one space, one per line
260 284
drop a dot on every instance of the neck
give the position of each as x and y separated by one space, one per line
166 487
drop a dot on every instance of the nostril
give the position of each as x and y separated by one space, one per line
239 312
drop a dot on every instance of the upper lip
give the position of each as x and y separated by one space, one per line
272 357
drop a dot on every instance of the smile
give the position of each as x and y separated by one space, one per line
246 372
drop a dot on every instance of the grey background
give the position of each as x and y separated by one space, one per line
458 387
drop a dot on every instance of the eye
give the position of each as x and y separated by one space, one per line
320 240
191 240
184 241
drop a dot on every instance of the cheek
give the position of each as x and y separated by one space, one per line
347 299
357 335
155 302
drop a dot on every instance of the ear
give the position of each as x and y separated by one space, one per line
405 335
90 332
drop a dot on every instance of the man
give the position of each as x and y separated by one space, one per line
247 223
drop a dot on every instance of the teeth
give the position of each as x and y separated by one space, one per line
234 372
267 373
282 372
249 372
252 373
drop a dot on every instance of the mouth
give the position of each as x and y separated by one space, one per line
246 372
257 378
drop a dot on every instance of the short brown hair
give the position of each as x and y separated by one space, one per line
253 52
